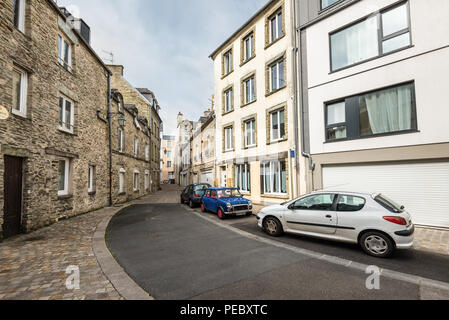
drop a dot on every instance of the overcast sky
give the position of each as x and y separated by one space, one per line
165 45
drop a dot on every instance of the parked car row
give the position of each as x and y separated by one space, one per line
376 223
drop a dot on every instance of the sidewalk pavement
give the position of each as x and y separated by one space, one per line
33 266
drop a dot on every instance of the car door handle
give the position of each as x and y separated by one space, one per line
329 216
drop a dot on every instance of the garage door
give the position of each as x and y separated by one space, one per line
423 188
207 177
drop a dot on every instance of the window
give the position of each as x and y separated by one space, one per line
136 147
229 139
277 75
66 114
385 111
63 177
147 153
147 180
19 92
248 47
168 144
277 125
229 100
350 203
249 89
136 180
336 121
250 133
274 176
119 106
169 163
121 140
327 3
65 53
227 62
121 180
361 41
275 26
243 177
19 14
320 202
91 179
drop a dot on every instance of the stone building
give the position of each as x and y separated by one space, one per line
53 102
203 150
147 107
184 134
168 157
130 151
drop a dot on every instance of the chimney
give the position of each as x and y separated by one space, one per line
116 69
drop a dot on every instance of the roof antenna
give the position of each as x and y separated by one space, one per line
111 57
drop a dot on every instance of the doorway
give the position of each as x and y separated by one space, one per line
223 177
13 175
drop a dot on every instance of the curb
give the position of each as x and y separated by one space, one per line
124 285
417 280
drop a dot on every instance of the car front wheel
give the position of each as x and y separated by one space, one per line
203 208
377 244
191 204
273 227
221 214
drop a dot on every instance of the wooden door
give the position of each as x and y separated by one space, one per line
12 218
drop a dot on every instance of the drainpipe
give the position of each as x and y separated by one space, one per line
151 147
295 98
110 137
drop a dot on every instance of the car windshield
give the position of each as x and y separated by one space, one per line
201 187
389 204
229 193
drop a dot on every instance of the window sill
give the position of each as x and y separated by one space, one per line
227 74
229 151
69 70
275 91
229 112
92 193
267 45
19 115
65 196
67 132
243 62
250 147
283 196
374 136
277 141
249 103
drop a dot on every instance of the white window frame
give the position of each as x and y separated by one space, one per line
23 93
250 84
91 179
136 178
277 85
63 124
272 165
272 130
121 140
243 177
229 138
65 64
275 18
250 135
229 100
21 15
147 152
147 180
121 181
228 62
136 148
66 190
248 47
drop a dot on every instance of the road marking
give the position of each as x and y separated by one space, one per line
417 280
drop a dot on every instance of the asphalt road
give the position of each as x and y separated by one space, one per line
174 254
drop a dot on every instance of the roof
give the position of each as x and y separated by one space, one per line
223 188
366 194
258 13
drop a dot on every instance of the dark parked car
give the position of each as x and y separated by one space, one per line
226 202
192 194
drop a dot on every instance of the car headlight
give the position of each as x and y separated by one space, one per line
229 205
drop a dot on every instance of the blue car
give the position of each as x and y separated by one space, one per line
226 202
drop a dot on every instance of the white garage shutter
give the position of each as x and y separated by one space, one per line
207 177
423 188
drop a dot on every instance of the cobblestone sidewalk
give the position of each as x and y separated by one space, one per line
33 266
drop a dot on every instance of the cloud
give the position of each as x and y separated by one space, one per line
165 45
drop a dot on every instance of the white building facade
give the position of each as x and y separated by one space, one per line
375 99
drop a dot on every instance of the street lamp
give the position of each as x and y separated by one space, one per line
121 121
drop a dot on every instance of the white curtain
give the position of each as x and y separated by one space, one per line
390 110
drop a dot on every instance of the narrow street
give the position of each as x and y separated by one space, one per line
173 253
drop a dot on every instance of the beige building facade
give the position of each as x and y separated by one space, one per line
255 111
168 158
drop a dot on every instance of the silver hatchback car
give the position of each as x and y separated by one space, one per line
373 221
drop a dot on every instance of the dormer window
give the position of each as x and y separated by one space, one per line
64 53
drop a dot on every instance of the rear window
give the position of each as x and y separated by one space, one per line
201 187
350 203
389 204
